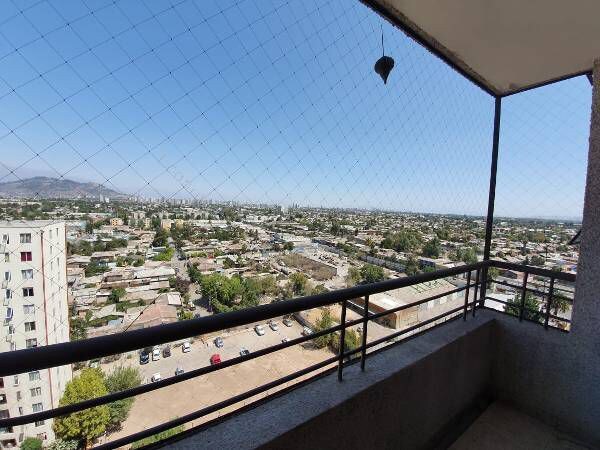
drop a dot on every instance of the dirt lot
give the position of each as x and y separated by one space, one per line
177 400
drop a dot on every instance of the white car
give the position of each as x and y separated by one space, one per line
306 331
156 377
260 330
186 347
273 326
155 354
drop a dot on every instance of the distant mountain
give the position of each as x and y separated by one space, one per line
47 187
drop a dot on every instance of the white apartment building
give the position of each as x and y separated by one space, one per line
33 312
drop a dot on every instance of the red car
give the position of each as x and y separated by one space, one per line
215 359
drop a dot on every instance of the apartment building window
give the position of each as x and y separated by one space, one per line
7 257
25 256
39 423
4 414
19 396
50 234
29 309
9 314
2 399
27 274
8 294
33 376
5 239
29 326
1 383
36 391
13 346
42 436
7 276
11 329
37 407
15 380
25 238
21 410
28 292
30 343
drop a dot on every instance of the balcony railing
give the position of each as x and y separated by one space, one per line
475 287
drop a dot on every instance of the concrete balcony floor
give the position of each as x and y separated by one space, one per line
502 427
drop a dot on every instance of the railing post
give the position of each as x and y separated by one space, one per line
549 302
523 294
477 274
363 352
467 295
342 341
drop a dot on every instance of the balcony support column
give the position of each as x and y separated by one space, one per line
489 224
586 309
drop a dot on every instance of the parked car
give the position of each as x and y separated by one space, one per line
215 359
306 331
273 325
156 354
288 322
156 377
244 352
179 371
186 347
285 339
218 342
144 358
166 351
260 330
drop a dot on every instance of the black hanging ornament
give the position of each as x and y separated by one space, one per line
385 64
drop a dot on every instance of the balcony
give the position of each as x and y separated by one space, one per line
510 362
425 381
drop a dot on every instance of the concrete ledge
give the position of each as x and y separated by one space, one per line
407 395
548 375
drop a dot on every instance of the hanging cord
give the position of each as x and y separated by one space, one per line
382 46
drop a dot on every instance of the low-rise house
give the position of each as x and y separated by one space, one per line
152 315
169 298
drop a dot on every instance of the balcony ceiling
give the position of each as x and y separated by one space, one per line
503 45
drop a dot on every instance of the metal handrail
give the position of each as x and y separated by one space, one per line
27 360
60 354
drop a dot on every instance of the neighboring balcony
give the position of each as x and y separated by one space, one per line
421 385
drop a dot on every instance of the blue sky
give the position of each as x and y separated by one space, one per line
274 102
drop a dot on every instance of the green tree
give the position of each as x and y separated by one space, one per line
466 255
351 341
371 274
161 238
78 328
403 241
298 283
432 248
61 444
532 307
560 304
31 443
412 266
354 277
325 322
537 260
120 379
492 274
116 294
86 425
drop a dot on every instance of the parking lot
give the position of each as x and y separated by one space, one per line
185 397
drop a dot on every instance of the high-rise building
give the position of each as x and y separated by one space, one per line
34 312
